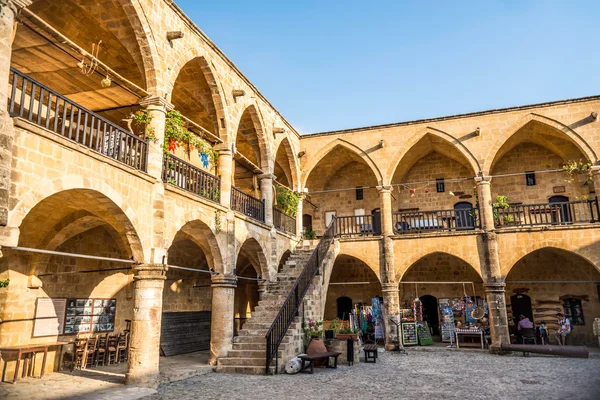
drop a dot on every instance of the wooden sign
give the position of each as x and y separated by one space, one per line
559 189
184 332
49 317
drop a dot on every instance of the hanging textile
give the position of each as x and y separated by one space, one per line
378 318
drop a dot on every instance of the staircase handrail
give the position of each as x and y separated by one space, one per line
291 305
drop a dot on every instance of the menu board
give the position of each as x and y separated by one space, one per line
90 315
49 317
424 334
409 333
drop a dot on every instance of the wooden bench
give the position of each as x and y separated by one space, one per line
318 356
370 353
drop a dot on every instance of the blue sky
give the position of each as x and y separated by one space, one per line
328 65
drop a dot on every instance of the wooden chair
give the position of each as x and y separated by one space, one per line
122 347
101 349
75 359
111 349
90 351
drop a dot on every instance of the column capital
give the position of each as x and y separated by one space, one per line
385 188
157 102
150 272
483 180
223 148
267 176
227 281
18 5
494 287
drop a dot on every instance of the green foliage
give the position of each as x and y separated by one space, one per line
4 283
176 134
141 120
309 234
313 329
575 168
336 324
287 200
349 331
501 203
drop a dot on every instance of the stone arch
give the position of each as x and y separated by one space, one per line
96 190
559 129
465 255
307 170
251 248
452 148
282 260
251 113
292 162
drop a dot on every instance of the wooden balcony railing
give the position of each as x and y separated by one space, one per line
188 177
564 213
35 102
247 205
357 225
437 220
284 222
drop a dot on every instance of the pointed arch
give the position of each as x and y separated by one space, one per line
556 253
250 126
252 250
555 127
193 67
324 152
287 151
458 151
468 270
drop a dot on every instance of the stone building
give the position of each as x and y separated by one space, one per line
412 201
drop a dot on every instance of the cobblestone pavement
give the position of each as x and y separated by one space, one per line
433 374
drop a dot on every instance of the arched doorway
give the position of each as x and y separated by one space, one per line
248 267
344 307
552 280
561 211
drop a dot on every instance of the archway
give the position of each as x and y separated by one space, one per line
285 168
251 157
250 262
433 174
445 279
341 183
283 260
69 223
520 159
557 280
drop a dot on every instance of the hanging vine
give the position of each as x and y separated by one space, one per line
576 168
4 283
287 200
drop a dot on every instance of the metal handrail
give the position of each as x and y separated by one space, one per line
191 178
291 305
559 213
284 222
247 205
45 107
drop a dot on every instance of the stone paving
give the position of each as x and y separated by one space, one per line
433 373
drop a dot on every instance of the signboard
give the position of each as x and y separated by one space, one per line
424 334
409 333
90 316
49 317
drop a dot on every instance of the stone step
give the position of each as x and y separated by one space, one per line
243 369
250 346
246 354
264 325
257 362
249 339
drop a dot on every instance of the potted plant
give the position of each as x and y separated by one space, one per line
314 332
334 326
347 333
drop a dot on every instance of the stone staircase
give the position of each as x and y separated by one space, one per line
248 355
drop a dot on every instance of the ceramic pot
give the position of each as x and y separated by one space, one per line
317 346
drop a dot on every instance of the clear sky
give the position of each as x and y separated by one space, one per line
328 65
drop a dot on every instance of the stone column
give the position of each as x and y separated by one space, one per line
391 308
486 210
596 179
221 326
7 30
144 348
266 191
225 172
299 227
385 196
157 110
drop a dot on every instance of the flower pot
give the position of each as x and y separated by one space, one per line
316 345
343 336
330 334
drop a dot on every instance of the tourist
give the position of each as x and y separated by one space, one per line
543 331
524 323
563 330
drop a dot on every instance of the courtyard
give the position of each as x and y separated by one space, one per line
432 372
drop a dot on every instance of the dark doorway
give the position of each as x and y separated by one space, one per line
306 222
561 213
521 304
464 216
430 312
344 306
376 221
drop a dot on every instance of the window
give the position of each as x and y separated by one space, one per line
359 193
530 178
439 185
574 311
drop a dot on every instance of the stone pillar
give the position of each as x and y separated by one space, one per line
299 227
486 209
391 308
157 110
7 30
144 348
596 179
225 172
221 328
385 196
266 191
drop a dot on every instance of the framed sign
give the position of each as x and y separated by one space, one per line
90 316
409 333
49 317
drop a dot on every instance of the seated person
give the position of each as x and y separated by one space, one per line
563 330
524 323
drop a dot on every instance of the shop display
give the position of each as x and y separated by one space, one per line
447 319
409 333
90 316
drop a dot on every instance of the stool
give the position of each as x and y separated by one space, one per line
370 353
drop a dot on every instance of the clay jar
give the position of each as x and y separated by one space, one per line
316 345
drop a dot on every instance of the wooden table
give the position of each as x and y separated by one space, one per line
468 333
30 348
318 356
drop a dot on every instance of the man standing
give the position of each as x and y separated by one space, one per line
563 330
